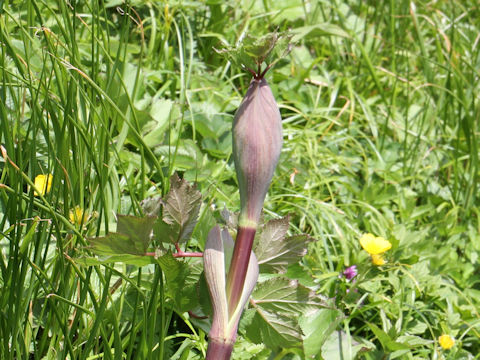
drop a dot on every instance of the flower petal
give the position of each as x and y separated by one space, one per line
374 245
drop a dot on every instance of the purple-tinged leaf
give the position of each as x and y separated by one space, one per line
275 252
180 209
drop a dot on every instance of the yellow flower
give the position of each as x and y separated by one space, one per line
446 341
377 259
374 245
78 215
43 183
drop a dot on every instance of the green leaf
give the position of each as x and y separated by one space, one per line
154 131
274 330
387 342
278 303
176 273
124 258
253 51
114 244
187 154
166 233
259 48
274 251
205 223
318 325
284 295
132 237
180 208
340 347
138 229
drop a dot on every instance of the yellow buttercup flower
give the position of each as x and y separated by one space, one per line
43 183
377 259
446 341
78 216
374 245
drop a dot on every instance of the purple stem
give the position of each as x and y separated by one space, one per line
239 265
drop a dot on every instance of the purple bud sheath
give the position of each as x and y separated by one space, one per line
257 143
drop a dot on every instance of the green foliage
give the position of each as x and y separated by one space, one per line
179 212
253 51
274 250
277 303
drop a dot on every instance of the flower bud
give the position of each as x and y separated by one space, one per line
257 142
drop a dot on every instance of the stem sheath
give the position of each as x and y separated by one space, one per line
219 350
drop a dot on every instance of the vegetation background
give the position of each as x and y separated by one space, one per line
380 107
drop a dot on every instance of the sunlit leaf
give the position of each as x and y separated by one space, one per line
317 325
339 346
278 303
180 208
274 330
253 51
274 250
115 244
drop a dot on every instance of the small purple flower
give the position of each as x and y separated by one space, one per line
350 272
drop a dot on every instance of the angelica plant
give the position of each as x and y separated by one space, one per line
257 143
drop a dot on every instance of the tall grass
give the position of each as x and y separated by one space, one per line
68 92
380 105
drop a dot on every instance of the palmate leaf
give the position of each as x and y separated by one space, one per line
180 212
278 303
275 252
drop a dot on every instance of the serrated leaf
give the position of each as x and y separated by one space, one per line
274 251
176 273
115 244
274 330
138 229
181 207
285 296
278 303
253 51
259 48
132 238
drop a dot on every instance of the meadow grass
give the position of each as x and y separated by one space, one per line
380 114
